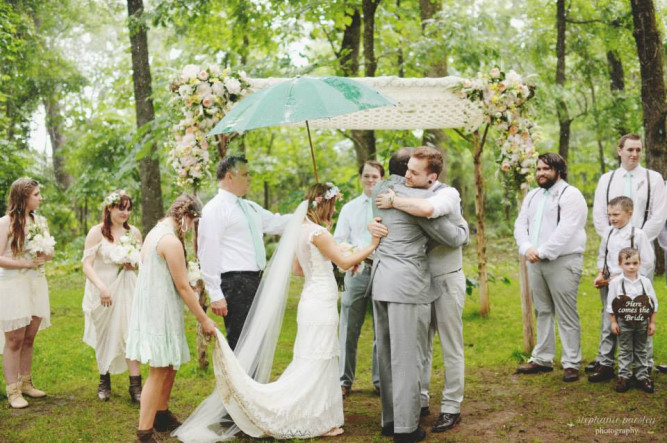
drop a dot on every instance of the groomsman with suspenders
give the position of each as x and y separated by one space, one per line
550 232
231 246
646 188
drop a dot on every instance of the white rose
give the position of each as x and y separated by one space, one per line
215 69
185 91
203 89
218 89
233 85
513 77
190 71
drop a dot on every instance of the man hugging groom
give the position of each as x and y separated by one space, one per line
402 287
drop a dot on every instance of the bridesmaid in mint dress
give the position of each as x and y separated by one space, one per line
157 331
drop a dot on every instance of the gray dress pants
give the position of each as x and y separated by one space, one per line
446 319
401 330
554 285
607 348
633 350
353 305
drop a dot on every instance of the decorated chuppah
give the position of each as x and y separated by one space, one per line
462 106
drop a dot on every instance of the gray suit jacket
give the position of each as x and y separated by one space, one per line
400 270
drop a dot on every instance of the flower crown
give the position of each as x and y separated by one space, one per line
114 197
332 192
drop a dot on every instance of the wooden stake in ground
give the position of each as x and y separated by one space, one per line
480 213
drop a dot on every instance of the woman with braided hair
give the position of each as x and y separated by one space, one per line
157 330
24 295
107 298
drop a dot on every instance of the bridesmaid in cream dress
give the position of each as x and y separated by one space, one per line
108 294
24 295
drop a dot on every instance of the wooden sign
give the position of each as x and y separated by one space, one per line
633 311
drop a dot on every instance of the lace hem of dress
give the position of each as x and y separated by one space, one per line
309 425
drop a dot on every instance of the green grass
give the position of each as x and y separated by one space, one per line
498 406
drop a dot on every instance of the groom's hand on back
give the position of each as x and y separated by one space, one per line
219 307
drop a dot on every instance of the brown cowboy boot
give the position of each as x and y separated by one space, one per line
147 436
135 388
165 421
104 388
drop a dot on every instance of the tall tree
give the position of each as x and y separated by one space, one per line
564 119
151 193
654 98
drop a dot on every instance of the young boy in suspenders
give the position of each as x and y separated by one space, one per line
632 306
620 234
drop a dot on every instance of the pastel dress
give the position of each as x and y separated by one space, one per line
106 327
157 329
305 401
24 294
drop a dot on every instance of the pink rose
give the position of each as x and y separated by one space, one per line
505 167
203 75
495 73
207 101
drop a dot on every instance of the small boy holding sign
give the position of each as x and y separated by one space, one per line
632 305
620 234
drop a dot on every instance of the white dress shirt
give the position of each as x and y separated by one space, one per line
662 238
352 226
657 206
633 289
445 201
224 241
619 239
556 239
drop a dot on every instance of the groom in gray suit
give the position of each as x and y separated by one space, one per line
402 297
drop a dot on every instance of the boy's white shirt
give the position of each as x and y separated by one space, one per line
619 239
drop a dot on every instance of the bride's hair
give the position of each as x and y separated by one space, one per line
320 209
184 205
19 193
122 202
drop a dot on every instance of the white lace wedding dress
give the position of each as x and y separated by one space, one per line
305 401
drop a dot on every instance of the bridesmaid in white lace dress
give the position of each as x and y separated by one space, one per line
305 401
24 295
108 294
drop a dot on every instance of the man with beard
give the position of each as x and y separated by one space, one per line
550 234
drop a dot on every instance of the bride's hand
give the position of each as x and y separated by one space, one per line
208 326
377 229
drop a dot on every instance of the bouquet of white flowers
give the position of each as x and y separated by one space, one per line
194 272
349 249
126 250
38 240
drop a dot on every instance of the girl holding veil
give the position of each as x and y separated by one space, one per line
305 401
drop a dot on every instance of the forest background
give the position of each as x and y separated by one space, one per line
102 80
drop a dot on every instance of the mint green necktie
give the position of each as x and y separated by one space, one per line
628 184
369 217
257 240
537 221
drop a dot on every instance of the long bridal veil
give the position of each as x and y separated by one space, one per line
257 344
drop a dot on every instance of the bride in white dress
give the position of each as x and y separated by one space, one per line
305 401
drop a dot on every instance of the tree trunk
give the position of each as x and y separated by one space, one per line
54 122
434 137
480 212
526 300
561 107
654 98
151 194
617 87
598 128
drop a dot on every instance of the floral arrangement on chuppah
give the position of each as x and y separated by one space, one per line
503 98
204 95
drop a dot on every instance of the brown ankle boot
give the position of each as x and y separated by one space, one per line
165 421
135 388
147 436
104 388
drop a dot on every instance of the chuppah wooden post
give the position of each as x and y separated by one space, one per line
480 213
202 340
526 302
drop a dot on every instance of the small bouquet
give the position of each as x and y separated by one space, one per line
38 240
348 249
126 251
194 272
